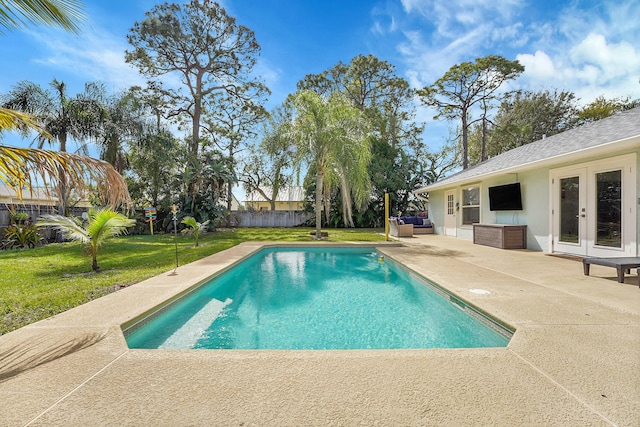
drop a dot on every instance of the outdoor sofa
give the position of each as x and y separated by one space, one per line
407 226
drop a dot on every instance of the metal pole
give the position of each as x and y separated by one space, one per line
386 216
174 212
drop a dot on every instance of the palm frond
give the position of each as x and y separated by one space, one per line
70 227
22 167
190 221
194 226
17 120
104 223
16 14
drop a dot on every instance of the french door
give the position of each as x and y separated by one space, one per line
450 224
592 209
569 212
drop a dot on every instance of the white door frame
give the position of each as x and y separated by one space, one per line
579 247
587 173
450 218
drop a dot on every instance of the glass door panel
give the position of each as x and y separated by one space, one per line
609 209
570 210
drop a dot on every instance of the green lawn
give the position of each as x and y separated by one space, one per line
38 283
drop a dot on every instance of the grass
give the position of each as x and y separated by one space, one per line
38 283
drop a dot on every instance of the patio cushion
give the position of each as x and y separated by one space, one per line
418 222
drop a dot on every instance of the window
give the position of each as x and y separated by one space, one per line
470 205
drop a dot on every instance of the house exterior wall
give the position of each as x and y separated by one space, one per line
280 206
535 206
536 199
638 200
436 210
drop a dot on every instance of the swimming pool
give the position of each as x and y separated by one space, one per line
316 298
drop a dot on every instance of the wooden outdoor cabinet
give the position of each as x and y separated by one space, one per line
503 236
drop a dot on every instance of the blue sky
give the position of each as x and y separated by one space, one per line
589 47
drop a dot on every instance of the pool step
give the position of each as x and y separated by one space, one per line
189 333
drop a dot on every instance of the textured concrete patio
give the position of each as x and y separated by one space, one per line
573 361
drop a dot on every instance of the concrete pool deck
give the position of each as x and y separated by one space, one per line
574 359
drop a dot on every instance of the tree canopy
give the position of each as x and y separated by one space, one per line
386 101
465 86
204 47
330 137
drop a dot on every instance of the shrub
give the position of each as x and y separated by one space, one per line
20 233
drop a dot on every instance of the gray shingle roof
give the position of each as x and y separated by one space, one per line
616 128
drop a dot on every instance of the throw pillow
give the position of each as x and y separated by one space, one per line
401 222
426 221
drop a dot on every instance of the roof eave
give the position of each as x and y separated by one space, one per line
618 145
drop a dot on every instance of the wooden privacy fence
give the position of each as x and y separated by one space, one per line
269 218
34 211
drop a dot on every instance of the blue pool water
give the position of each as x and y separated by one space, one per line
314 298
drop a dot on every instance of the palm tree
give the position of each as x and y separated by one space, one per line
331 138
123 123
19 167
195 228
16 14
22 168
101 224
61 116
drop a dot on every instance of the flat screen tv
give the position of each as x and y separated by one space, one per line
505 197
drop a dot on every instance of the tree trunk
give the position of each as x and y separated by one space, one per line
62 180
195 141
275 190
483 154
229 201
347 213
229 189
327 202
195 133
319 184
94 264
465 140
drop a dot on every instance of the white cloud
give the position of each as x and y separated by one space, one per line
377 28
439 35
267 72
94 56
589 67
425 64
455 16
538 67
384 19
613 59
511 34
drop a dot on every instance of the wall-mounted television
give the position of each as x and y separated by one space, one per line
505 197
